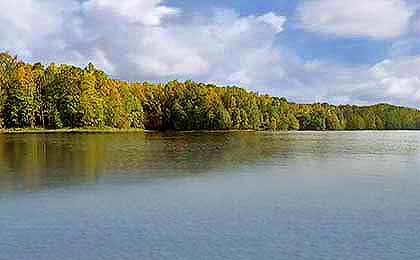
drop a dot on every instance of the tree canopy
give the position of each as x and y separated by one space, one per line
64 96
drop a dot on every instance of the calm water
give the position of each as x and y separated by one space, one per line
343 195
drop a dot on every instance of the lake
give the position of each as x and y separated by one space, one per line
189 196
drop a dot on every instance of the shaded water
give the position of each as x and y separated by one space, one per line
311 195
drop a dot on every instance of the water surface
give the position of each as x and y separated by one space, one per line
303 195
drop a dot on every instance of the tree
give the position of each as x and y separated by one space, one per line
8 78
68 96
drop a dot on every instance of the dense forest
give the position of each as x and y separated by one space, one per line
64 96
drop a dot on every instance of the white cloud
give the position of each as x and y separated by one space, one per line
378 19
214 47
147 12
274 20
399 79
143 40
27 24
149 40
395 81
103 62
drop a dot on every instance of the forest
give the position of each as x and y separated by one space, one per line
65 96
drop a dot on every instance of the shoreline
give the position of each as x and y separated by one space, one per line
134 130
70 130
110 130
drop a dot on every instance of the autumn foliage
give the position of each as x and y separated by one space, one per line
54 97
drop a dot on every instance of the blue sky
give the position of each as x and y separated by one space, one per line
338 51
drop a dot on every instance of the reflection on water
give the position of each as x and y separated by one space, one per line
235 195
37 161
34 161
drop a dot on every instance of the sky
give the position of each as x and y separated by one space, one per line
338 51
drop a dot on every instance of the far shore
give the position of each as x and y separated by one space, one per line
107 130
136 130
70 130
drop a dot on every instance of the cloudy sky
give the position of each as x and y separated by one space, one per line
339 51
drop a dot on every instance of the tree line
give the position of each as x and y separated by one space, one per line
65 96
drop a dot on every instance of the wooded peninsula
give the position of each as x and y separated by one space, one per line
65 96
